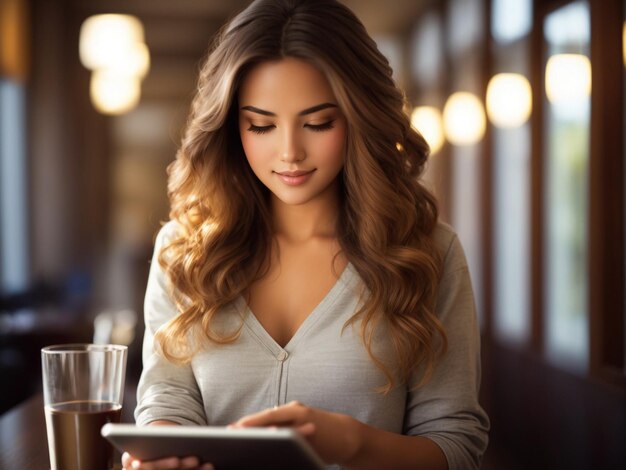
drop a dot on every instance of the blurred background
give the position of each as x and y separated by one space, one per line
522 102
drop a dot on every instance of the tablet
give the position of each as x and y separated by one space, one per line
227 449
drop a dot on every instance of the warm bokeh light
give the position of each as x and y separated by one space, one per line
112 47
135 61
568 78
114 94
15 53
427 121
106 38
509 100
464 119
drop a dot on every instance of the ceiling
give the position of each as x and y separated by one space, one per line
378 15
178 31
178 21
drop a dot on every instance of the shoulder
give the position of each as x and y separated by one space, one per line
170 230
449 247
173 229
176 232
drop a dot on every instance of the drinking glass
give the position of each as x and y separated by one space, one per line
83 389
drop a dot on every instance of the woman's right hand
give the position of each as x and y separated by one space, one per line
171 463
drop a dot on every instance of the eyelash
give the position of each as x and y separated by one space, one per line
259 129
315 128
321 127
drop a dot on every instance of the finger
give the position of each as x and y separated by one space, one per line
254 416
127 460
207 466
256 419
306 429
282 415
162 464
189 462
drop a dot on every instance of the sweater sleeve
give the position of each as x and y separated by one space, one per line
166 391
446 409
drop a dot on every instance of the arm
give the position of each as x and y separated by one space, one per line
167 394
339 438
384 449
166 391
444 425
446 409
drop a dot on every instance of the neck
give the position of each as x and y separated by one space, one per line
312 220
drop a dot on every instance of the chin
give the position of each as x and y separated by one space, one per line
293 199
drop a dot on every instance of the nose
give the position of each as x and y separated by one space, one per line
291 148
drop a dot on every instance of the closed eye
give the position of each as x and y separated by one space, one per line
321 127
260 129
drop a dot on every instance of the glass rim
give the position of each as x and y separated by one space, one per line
84 348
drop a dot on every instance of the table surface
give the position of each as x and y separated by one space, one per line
23 440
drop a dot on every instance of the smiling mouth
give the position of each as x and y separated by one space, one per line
294 173
295 178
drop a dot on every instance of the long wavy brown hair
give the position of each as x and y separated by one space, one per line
387 217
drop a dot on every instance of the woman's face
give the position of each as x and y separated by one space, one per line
292 130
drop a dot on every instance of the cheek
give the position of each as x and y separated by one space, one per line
333 147
254 148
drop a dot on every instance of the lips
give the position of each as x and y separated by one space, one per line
294 173
294 178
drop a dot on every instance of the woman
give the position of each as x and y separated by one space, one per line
304 279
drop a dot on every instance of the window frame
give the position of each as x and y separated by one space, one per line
606 224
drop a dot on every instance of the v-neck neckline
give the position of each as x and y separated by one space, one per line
268 340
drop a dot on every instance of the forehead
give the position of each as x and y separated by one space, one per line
285 82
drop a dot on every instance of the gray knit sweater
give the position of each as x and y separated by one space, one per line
323 366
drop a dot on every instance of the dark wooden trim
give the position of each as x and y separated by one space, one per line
537 174
548 6
444 155
606 191
487 174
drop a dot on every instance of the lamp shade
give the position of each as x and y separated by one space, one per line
104 38
427 121
464 119
568 78
509 100
114 94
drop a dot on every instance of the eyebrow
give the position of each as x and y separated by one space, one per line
304 112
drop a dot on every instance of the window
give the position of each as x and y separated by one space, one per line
14 272
566 126
464 32
511 144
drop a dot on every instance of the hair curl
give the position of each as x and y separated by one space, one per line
387 217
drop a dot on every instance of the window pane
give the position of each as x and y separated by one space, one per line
568 88
466 213
13 207
427 49
511 19
512 243
465 26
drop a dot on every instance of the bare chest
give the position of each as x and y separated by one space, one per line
292 289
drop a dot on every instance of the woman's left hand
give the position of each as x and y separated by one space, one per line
335 437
